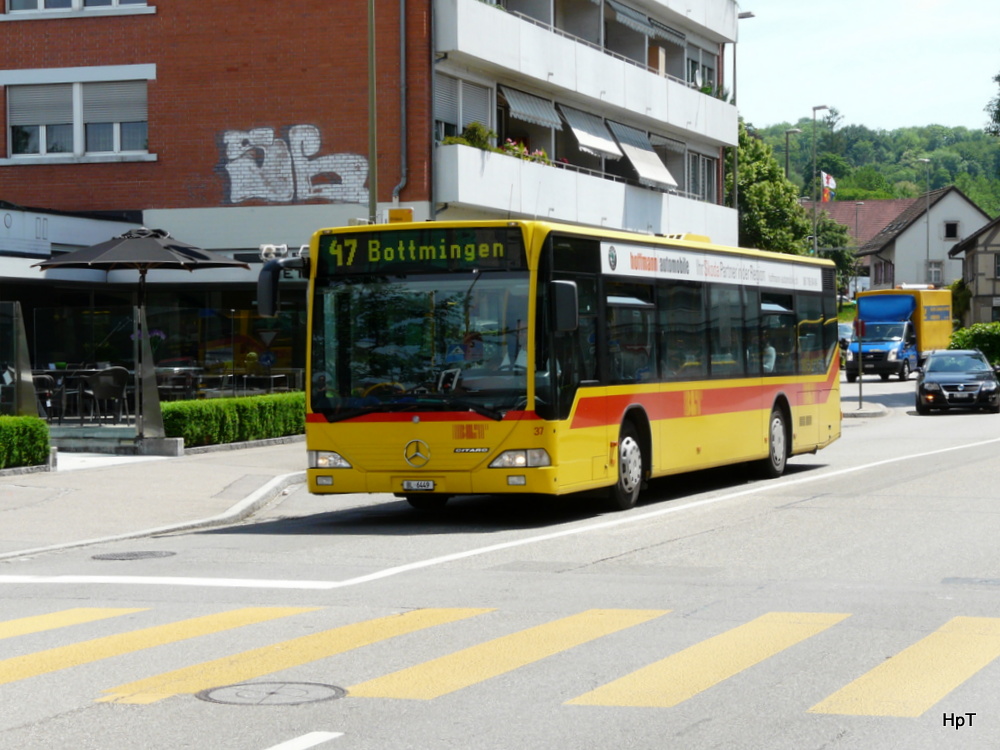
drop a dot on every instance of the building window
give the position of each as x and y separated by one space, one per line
995 317
702 177
996 265
951 230
935 272
37 5
883 273
458 103
78 118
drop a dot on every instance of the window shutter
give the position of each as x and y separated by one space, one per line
475 104
114 101
446 99
40 104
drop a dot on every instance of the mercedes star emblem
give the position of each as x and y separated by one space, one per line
417 453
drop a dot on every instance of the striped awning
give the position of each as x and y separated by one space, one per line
639 151
531 108
632 18
668 143
667 34
591 134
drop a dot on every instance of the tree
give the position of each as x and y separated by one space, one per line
993 110
770 217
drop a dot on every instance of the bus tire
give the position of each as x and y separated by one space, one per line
625 492
427 502
777 445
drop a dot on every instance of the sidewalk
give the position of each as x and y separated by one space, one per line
90 498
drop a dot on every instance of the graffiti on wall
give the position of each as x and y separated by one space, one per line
283 170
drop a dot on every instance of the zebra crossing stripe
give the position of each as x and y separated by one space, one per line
918 677
53 660
54 620
693 670
478 663
249 665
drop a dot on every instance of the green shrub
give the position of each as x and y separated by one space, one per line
24 441
234 420
982 336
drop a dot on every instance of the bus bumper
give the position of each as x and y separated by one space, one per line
540 480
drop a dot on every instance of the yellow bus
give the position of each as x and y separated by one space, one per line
499 357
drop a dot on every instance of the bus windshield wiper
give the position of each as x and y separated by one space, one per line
473 406
338 415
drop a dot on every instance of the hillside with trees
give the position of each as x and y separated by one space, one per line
883 164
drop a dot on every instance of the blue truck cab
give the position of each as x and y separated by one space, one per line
886 336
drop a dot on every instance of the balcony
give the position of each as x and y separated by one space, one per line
517 48
473 182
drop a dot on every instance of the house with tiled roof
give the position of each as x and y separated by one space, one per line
913 247
863 219
980 256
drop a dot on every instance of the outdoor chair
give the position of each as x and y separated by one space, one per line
106 392
48 395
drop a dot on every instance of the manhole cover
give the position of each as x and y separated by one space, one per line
272 693
133 555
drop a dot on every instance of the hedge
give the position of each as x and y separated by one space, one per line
235 420
982 336
24 441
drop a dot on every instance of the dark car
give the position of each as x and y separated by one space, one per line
957 378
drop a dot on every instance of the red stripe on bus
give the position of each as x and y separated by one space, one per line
598 411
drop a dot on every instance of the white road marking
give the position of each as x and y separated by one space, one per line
620 520
307 740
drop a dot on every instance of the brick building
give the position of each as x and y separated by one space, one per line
235 125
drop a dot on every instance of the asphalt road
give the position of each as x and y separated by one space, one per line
852 603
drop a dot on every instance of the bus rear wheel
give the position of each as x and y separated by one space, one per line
625 491
777 445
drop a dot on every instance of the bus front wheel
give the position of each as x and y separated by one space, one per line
777 445
625 491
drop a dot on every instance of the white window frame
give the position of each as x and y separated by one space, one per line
935 272
78 77
77 8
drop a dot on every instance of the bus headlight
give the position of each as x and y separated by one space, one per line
521 459
327 460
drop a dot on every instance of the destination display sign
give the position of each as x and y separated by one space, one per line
692 265
430 250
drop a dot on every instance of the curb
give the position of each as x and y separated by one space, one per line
245 507
53 462
866 410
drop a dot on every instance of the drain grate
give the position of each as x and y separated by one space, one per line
272 693
133 555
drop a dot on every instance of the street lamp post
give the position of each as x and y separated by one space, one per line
857 241
927 220
787 133
815 220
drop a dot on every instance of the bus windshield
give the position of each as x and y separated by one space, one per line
452 342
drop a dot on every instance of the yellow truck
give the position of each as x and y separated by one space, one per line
895 330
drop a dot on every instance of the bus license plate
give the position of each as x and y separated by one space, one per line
418 485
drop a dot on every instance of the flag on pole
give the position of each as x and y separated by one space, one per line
829 187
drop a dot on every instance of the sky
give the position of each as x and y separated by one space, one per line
884 64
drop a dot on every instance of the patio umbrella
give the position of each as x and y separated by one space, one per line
142 250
